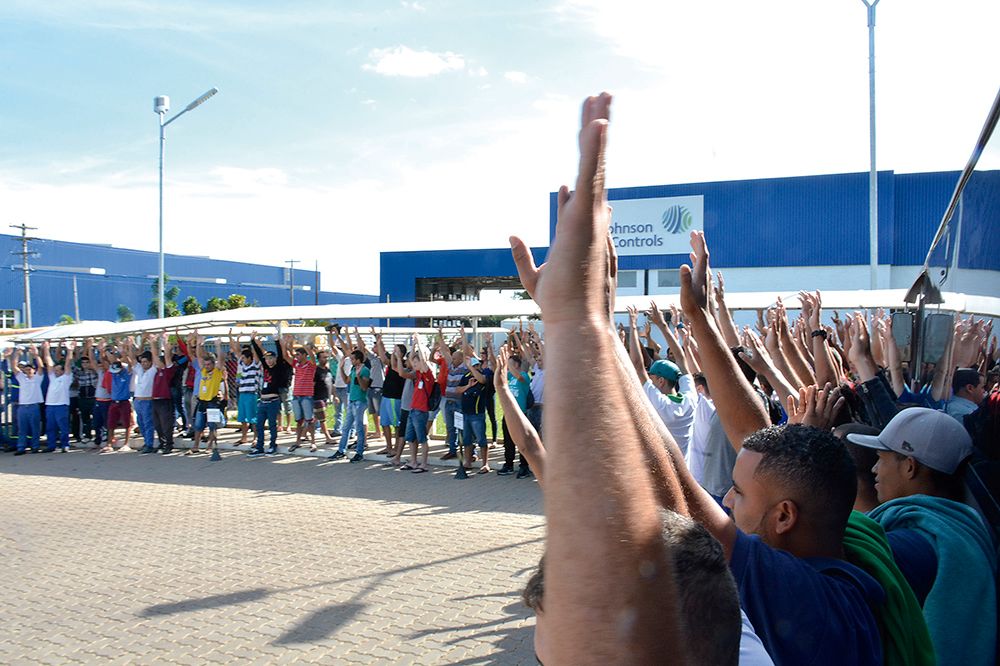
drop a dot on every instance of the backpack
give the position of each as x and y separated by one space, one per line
434 399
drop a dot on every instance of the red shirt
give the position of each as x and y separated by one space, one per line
305 374
161 382
422 387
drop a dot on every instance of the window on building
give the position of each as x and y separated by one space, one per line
8 318
668 278
628 279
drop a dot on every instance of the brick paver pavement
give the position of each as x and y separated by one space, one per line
125 558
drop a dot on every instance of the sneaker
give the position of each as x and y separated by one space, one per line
523 473
352 445
254 453
336 433
357 458
449 456
337 455
293 447
166 449
506 470
64 449
273 451
145 450
19 453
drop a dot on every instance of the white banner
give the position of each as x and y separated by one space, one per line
656 226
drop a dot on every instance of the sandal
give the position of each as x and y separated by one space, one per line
293 447
485 469
409 467
419 470
313 449
192 452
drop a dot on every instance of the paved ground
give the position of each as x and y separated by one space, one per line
176 559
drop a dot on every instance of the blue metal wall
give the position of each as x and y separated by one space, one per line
126 281
823 220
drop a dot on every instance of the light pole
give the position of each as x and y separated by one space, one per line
161 105
873 174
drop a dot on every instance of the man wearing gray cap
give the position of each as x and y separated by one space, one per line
941 545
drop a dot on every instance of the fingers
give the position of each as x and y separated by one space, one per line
526 269
593 139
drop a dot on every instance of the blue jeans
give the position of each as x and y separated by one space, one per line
340 414
450 407
57 426
100 421
267 411
144 416
358 420
416 427
29 426
475 430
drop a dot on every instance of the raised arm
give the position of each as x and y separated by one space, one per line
154 348
740 409
525 437
603 522
729 331
680 358
634 349
46 355
168 351
68 361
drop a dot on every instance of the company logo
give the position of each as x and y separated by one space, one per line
677 219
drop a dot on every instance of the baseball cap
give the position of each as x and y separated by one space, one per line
665 369
932 438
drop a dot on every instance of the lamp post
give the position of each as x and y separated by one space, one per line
873 174
161 105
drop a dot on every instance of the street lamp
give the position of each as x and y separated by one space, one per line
161 105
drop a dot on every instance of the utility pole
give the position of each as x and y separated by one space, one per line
76 302
316 287
25 269
291 280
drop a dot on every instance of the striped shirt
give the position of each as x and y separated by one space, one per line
248 376
305 374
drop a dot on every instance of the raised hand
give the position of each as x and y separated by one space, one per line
816 407
656 316
695 278
633 316
500 373
573 284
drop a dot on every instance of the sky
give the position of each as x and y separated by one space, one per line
343 129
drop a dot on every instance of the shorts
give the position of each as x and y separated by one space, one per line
286 400
416 427
475 430
201 420
319 410
374 400
246 408
120 414
389 414
302 408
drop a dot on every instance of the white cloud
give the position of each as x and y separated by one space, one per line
404 61
516 77
415 6
478 71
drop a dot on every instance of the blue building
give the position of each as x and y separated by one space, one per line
95 279
776 234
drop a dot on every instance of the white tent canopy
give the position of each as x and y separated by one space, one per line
450 310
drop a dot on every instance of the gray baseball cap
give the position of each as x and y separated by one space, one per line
932 438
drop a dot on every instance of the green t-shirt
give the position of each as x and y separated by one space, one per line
358 394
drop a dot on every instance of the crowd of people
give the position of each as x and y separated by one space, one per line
106 392
770 494
777 495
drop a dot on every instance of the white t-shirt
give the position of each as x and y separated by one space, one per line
339 380
695 458
538 384
58 393
677 412
142 385
752 652
31 389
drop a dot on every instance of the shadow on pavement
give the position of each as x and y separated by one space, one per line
434 493
216 601
320 624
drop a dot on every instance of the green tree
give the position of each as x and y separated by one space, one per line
236 301
216 304
125 313
170 295
316 322
65 320
191 305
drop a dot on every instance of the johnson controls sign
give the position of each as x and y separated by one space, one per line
656 226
